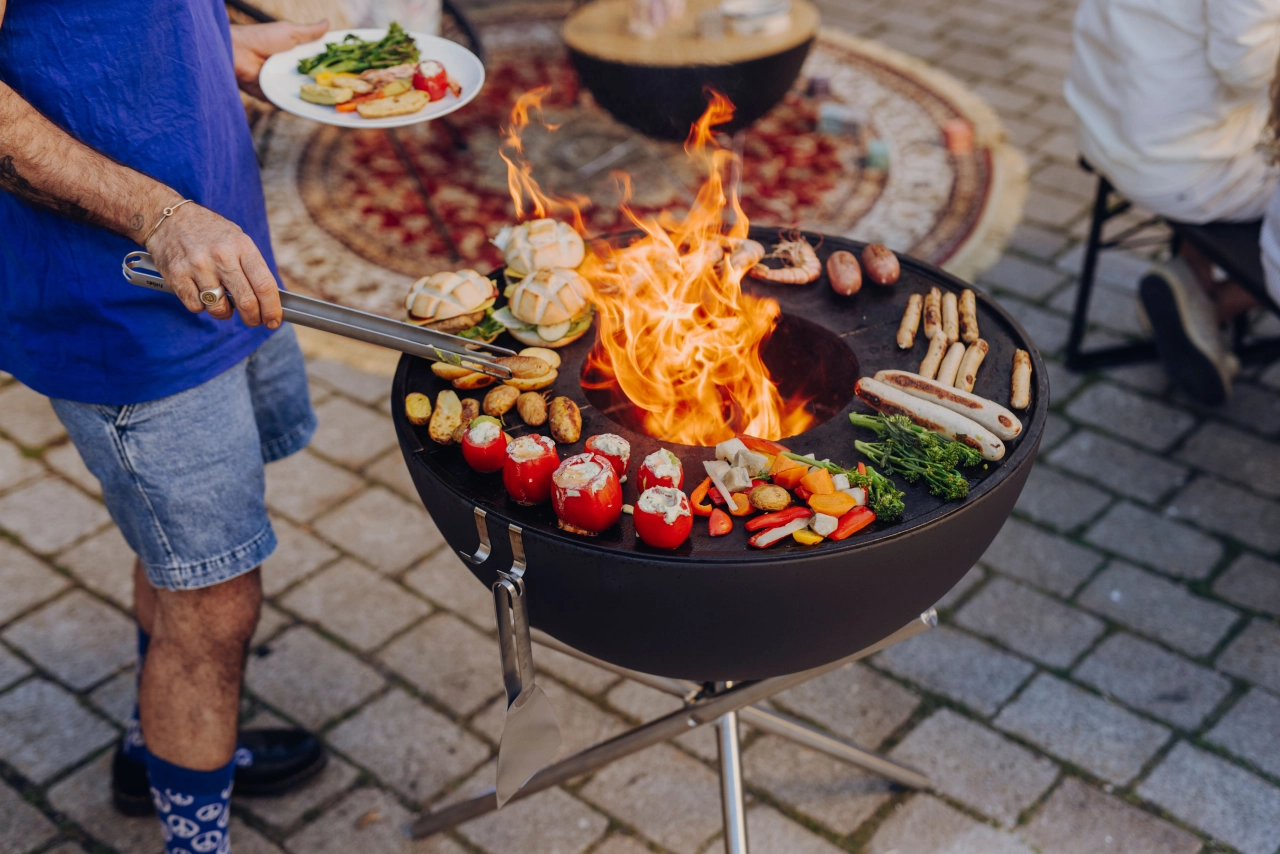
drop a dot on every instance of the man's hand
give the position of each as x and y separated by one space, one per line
197 250
253 43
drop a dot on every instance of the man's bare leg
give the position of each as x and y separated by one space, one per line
1229 299
189 696
144 598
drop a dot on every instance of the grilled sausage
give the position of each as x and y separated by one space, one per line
973 356
989 414
1020 393
932 313
933 358
950 366
968 316
892 400
950 317
910 322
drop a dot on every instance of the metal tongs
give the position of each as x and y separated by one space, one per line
140 269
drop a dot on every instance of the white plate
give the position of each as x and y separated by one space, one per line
281 81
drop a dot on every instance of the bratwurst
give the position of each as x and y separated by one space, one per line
891 400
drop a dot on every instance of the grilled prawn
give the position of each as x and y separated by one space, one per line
800 264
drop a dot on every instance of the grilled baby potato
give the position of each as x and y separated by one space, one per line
446 418
566 420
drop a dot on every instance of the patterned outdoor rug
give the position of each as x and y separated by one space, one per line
357 215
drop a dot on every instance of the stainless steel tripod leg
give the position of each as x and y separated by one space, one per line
699 711
766 719
732 798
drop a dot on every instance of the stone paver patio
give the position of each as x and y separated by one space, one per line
1107 679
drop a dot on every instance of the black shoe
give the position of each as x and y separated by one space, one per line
1186 335
269 762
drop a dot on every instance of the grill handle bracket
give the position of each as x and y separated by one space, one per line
485 548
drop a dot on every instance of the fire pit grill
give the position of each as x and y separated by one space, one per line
716 610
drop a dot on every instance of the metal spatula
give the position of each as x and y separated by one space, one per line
530 734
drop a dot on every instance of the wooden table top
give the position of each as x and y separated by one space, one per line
599 29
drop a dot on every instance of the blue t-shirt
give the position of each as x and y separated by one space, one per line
151 84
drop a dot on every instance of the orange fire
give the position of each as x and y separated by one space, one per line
676 333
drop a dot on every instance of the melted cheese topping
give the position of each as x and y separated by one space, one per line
485 432
663 464
582 472
665 502
613 445
529 448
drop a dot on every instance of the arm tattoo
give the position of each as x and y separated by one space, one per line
12 180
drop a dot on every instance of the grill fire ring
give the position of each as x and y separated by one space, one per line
716 610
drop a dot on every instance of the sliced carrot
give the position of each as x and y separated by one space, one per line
350 106
834 504
790 478
695 500
719 524
782 463
862 468
742 507
818 482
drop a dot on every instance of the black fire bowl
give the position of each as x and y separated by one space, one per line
664 101
716 609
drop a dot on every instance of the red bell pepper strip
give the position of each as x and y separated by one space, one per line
762 446
852 522
802 493
769 536
350 106
714 495
779 517
719 524
742 507
695 500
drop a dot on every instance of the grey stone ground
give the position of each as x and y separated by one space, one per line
1108 679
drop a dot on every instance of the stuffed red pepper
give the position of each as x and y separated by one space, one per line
661 468
484 445
614 448
663 517
527 470
586 495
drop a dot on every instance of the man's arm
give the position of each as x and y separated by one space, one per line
195 249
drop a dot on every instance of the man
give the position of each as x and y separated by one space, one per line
1171 101
113 116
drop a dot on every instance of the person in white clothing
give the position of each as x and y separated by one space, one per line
1171 98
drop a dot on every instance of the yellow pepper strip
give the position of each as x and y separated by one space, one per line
807 537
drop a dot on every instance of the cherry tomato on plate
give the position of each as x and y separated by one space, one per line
663 517
431 78
528 467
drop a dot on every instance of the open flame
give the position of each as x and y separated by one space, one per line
677 334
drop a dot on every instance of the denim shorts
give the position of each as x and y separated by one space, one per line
183 476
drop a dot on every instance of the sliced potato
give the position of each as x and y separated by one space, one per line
535 384
417 407
446 418
396 87
325 96
446 371
473 381
551 357
396 105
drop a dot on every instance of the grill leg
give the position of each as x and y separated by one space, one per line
698 711
766 719
731 787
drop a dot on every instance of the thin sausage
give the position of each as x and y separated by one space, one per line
933 358
988 413
1020 395
910 322
950 317
968 316
950 366
969 365
892 400
932 313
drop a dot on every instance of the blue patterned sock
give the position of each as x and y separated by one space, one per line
135 747
193 806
